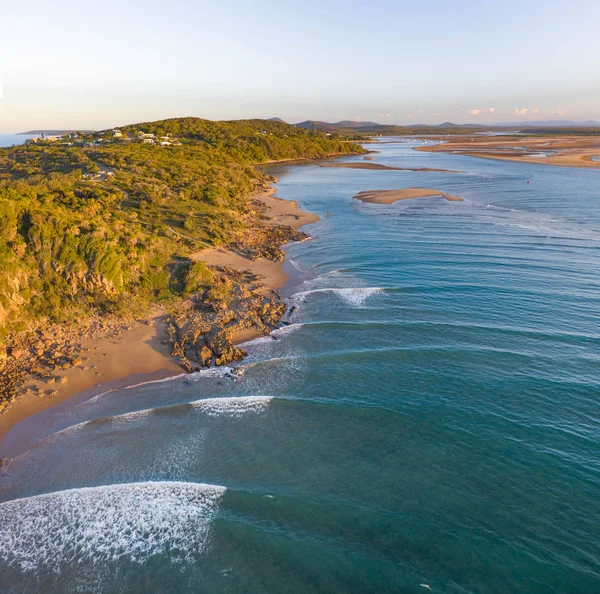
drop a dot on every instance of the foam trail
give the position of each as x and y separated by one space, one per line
353 296
230 406
100 525
196 375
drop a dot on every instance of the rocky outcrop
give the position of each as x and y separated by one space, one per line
265 241
203 329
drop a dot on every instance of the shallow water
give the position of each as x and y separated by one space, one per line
429 417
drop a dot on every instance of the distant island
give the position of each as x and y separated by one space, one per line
54 132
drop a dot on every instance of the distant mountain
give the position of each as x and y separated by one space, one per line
276 120
350 127
315 125
355 125
56 132
552 123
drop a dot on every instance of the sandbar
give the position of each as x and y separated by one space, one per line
391 196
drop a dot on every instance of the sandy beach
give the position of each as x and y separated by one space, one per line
560 151
391 196
142 352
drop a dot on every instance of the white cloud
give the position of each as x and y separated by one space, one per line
525 111
384 115
558 112
479 110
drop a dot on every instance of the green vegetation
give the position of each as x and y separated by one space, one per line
91 226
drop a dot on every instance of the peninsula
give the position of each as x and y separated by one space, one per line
156 244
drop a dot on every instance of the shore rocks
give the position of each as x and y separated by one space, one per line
203 329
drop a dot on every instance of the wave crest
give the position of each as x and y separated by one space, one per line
99 525
355 296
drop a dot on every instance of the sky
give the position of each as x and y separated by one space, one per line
80 64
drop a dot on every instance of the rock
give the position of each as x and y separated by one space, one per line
205 356
62 380
50 380
77 361
16 353
186 364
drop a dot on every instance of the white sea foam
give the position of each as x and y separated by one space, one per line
100 525
232 406
353 296
275 335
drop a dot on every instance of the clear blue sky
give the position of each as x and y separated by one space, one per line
74 63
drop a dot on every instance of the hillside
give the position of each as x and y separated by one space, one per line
94 223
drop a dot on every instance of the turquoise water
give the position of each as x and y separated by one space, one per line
428 420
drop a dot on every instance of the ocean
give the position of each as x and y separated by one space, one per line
13 139
427 421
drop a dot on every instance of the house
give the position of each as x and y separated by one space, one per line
148 141
117 133
166 143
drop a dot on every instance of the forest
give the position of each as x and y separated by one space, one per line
96 224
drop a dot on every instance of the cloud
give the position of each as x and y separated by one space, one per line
384 115
558 112
479 110
525 111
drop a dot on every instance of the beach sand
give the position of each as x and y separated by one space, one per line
108 359
138 354
391 196
560 151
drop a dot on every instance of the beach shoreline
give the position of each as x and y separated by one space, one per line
142 351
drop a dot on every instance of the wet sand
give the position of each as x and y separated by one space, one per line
391 196
559 151
108 359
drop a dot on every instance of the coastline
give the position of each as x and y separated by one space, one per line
142 351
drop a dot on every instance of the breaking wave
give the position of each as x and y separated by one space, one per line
275 335
230 406
100 525
353 296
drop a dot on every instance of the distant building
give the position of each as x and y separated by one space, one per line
148 141
117 133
